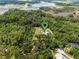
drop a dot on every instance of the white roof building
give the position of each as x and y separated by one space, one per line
43 4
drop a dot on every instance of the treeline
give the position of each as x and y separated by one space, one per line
58 10
18 27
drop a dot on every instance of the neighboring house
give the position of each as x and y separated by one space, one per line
74 45
59 54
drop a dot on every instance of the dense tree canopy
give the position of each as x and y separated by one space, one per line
17 29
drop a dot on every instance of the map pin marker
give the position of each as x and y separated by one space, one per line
45 25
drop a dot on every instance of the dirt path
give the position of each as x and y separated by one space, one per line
38 31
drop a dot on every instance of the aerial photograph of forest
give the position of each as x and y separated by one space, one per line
39 29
